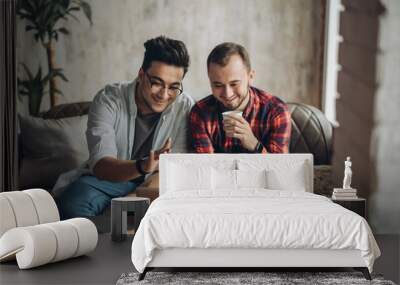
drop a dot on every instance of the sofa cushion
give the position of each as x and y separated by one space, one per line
50 147
67 110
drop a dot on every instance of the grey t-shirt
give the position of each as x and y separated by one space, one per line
145 126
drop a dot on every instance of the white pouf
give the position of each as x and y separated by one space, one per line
37 245
31 231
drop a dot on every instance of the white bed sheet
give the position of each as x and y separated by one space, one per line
250 218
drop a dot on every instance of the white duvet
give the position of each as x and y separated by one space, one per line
252 218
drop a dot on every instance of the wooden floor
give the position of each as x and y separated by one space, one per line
110 260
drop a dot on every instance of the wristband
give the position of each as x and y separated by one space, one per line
139 168
259 148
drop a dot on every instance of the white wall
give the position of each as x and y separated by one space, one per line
282 37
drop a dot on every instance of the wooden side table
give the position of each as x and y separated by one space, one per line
358 206
119 209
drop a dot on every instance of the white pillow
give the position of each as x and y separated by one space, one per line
292 179
251 178
188 177
224 179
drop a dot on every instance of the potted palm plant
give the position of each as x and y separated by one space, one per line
33 87
45 18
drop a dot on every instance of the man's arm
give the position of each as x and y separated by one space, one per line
199 137
119 170
278 138
100 135
101 140
274 140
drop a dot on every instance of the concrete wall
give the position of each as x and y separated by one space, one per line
356 87
283 38
368 107
385 150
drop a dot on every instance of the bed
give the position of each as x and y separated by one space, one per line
246 211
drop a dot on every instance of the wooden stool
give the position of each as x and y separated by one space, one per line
119 209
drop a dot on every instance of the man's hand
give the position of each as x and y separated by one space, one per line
151 163
238 127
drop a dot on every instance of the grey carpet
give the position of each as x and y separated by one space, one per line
225 278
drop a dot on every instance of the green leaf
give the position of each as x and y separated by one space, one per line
45 79
87 10
27 71
75 8
60 73
23 14
63 31
61 10
65 3
58 92
32 88
73 16
57 70
63 77
38 76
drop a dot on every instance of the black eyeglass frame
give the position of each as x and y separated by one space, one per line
163 86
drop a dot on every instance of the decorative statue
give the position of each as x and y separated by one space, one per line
347 174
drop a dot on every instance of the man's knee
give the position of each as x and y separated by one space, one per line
81 199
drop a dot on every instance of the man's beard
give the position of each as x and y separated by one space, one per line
243 98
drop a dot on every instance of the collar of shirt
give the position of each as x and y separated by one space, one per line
161 132
250 105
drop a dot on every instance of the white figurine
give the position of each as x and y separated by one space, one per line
347 174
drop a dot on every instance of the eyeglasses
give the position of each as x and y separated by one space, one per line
157 86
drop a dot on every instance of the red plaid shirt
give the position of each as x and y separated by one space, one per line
267 115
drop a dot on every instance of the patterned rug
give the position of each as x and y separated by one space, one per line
230 278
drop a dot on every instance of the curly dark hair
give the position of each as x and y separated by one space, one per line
169 51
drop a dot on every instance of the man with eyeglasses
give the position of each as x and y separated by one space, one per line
129 125
257 122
